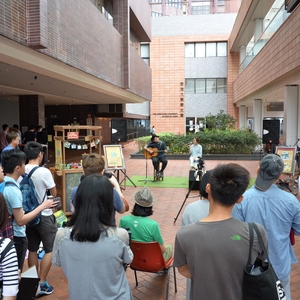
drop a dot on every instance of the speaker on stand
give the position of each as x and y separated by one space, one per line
118 130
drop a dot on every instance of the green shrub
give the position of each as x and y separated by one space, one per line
212 141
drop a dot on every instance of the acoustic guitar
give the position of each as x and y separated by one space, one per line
155 152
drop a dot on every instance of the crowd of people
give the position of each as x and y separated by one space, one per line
211 246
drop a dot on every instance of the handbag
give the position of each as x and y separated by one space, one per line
260 281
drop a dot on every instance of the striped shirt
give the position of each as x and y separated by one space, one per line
9 270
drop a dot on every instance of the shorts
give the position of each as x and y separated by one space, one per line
44 232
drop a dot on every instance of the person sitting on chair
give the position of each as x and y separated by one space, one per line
157 150
144 229
196 152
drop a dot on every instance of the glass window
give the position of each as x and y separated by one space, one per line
211 49
189 50
145 53
210 85
200 50
189 86
200 86
221 49
221 85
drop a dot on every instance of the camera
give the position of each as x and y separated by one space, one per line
201 163
108 174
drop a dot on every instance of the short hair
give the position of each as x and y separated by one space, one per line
3 212
228 182
11 159
11 136
4 127
93 164
16 126
32 150
94 209
141 211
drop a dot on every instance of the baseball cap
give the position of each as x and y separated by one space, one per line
271 166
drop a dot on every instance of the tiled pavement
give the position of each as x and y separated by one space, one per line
168 203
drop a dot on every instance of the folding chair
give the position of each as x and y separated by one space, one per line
148 258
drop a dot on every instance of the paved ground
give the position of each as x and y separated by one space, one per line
169 201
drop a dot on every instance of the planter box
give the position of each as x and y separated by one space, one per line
255 156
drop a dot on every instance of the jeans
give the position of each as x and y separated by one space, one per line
286 285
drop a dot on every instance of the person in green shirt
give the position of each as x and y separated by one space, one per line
144 229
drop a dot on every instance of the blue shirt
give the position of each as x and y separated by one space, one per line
13 198
118 203
278 211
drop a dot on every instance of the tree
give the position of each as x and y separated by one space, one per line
220 121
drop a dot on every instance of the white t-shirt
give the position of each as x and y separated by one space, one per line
43 180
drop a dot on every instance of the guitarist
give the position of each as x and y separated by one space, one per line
157 152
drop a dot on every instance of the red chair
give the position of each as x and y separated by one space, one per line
148 258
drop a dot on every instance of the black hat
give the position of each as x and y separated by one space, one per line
154 136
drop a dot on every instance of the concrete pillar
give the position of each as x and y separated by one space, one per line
258 116
258 29
242 53
243 117
291 113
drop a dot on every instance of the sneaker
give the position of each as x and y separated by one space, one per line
157 174
46 289
161 174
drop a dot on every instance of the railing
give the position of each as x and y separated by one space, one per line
278 20
132 135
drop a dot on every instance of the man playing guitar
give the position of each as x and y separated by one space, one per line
156 150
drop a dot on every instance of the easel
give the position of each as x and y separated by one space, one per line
115 162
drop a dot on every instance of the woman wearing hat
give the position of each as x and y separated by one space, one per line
144 229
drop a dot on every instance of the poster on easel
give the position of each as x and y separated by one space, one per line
114 157
288 155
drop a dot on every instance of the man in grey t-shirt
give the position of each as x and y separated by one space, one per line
213 252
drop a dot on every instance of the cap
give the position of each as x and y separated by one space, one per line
154 136
271 166
143 197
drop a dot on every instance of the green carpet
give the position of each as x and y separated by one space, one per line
168 182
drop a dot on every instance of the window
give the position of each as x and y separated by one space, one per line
211 49
221 49
205 85
190 86
145 52
189 50
200 50
200 86
205 49
221 85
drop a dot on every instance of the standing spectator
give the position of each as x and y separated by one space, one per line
213 252
91 253
144 229
9 264
46 230
12 140
94 164
196 152
194 212
3 141
278 211
157 149
30 135
13 163
17 130
152 130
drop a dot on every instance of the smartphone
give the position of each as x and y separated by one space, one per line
57 199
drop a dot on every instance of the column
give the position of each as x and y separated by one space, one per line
258 116
291 120
243 117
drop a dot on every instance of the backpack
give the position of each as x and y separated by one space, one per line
30 197
7 231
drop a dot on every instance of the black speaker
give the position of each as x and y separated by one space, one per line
118 130
271 130
196 185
